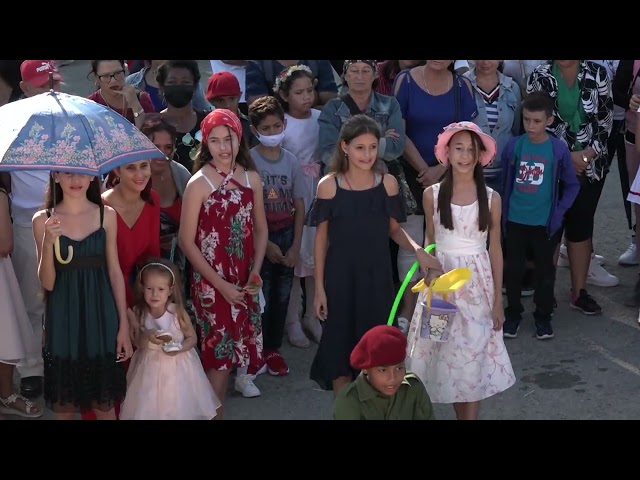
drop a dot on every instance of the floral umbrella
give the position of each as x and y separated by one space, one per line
59 132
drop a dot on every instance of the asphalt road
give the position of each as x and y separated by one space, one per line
590 370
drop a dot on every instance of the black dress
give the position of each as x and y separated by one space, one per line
358 279
80 329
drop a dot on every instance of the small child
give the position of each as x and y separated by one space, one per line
540 186
166 380
283 193
383 390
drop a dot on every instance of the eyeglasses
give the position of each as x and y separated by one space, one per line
107 77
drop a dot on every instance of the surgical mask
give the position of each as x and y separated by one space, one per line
271 140
178 95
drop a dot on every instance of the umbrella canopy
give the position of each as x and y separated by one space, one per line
67 133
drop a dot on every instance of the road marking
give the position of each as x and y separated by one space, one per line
606 354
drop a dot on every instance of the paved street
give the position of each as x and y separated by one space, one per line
590 370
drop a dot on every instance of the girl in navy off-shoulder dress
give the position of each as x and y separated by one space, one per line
357 208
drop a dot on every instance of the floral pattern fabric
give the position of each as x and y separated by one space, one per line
230 335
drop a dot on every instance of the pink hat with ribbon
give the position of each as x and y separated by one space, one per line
450 130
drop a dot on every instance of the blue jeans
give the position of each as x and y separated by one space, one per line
277 280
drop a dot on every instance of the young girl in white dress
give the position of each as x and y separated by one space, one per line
461 214
16 334
295 88
166 380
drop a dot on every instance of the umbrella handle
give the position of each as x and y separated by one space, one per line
56 247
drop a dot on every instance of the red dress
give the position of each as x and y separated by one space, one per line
135 245
230 336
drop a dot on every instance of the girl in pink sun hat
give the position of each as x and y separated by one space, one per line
442 146
461 214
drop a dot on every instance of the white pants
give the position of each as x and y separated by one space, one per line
25 264
414 226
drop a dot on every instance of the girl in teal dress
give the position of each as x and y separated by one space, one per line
86 330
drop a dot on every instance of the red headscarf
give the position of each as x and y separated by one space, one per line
220 116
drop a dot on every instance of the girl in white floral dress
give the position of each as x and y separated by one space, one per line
462 213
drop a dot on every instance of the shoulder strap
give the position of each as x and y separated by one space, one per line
349 102
48 213
101 214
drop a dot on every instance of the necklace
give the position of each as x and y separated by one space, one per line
124 105
349 183
424 80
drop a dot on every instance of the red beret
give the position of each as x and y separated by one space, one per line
381 346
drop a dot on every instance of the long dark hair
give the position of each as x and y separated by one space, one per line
446 190
352 128
53 194
145 194
203 155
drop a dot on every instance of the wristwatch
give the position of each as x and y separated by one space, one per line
137 114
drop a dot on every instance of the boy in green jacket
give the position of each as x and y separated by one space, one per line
383 390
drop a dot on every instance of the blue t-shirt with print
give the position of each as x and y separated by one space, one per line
532 196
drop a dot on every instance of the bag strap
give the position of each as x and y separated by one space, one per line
350 102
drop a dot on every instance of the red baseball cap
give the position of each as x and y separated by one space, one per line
36 72
222 84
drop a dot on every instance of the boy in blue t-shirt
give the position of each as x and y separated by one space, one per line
540 186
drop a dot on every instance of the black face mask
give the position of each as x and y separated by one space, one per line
178 95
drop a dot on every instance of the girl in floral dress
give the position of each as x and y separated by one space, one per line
223 233
462 213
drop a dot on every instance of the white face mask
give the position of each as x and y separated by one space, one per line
271 140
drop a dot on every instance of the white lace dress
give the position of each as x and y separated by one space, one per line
474 363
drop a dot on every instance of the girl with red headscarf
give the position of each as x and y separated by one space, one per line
223 233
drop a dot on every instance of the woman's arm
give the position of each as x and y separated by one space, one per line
44 248
428 207
391 147
495 247
113 266
260 227
330 126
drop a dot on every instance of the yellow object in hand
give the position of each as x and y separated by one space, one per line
56 247
446 283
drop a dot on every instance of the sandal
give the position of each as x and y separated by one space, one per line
10 406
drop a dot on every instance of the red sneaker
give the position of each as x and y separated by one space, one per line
276 364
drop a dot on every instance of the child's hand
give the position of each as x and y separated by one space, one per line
498 316
428 262
320 303
53 230
151 336
124 349
291 258
273 253
254 284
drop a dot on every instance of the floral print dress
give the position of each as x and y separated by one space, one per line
230 335
473 364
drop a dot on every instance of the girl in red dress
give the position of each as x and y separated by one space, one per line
223 233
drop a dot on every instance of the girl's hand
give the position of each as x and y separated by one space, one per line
52 230
498 316
273 253
233 294
291 258
124 350
428 262
254 284
151 336
320 303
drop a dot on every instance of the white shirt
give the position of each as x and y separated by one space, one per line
27 195
238 71
520 70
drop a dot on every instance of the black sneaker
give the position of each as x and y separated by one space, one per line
510 328
543 330
586 304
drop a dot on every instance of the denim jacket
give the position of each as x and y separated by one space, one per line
384 109
198 102
509 111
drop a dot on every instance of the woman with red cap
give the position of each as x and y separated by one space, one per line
223 233
383 390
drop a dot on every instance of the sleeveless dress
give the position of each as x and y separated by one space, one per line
474 363
164 387
358 276
80 328
229 335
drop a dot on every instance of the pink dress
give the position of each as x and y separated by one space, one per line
164 387
473 364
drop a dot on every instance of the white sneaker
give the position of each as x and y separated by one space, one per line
563 258
244 385
311 323
630 257
297 338
599 277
